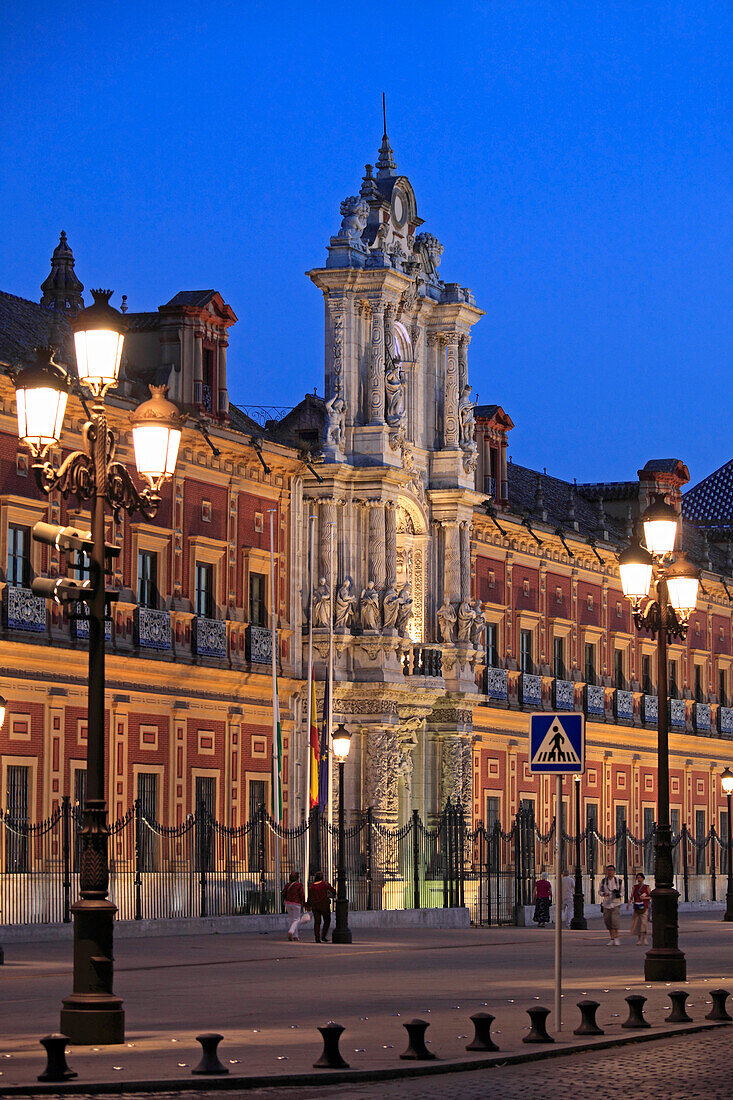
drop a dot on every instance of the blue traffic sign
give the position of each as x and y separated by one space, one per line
557 743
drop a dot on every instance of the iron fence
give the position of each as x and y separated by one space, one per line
202 867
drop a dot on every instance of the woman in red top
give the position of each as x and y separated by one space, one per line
640 895
542 900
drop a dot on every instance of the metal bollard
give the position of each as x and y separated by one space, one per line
416 1049
679 1014
331 1055
588 1025
719 1011
209 1063
538 1032
482 1040
636 1012
56 1067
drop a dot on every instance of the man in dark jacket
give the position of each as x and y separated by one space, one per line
319 901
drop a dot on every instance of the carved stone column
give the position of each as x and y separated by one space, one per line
376 368
390 520
452 564
457 772
465 542
377 544
462 363
327 517
467 778
381 775
450 394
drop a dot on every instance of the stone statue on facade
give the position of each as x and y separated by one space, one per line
355 214
466 419
336 422
432 253
447 621
390 607
466 617
394 388
405 612
479 622
321 603
343 614
369 608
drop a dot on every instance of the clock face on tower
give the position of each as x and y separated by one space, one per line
399 208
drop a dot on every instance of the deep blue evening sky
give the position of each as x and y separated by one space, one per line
574 159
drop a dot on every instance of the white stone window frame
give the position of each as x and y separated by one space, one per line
212 552
16 511
255 560
154 540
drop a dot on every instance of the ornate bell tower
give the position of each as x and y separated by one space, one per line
61 290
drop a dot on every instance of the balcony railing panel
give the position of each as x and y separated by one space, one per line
594 701
677 713
623 705
530 690
701 717
258 643
651 710
24 611
209 637
152 629
725 720
496 684
563 695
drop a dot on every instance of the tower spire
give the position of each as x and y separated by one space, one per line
61 290
386 166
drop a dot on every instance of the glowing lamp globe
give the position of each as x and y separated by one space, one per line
726 781
3 708
41 393
660 526
157 426
635 567
99 333
341 742
683 582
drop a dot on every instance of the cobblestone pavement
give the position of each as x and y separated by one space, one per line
686 1068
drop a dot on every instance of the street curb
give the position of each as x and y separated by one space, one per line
344 1077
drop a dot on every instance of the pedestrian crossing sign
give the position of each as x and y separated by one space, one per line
556 743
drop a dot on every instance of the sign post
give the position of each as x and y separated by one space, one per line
557 747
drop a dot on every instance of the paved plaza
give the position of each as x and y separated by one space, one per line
267 997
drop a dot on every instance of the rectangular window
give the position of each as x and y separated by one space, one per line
618 668
698 684
147 579
672 677
147 793
558 653
646 674
204 590
257 797
492 645
16 803
525 651
492 813
205 814
590 663
591 824
700 847
19 556
527 804
722 688
257 599
648 840
207 386
621 840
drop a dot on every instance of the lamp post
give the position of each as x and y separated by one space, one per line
726 782
3 709
578 922
92 1013
675 583
341 934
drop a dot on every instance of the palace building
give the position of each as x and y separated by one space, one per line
461 590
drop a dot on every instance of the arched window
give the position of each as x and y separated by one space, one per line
402 344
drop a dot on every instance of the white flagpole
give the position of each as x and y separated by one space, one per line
275 708
309 708
329 741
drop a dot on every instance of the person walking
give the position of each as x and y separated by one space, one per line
294 899
610 891
320 893
568 897
639 901
542 898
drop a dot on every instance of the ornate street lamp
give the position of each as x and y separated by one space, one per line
92 1013
674 581
341 742
578 920
726 782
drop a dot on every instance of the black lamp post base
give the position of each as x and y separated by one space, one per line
665 964
728 916
92 1014
93 1019
578 924
341 932
664 961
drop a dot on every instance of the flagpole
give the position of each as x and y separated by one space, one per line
330 708
275 709
309 707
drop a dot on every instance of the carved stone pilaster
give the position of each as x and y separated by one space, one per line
467 777
452 564
462 362
327 517
451 432
457 771
381 774
465 544
376 368
390 520
389 342
377 545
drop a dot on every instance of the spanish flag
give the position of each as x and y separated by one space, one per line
313 748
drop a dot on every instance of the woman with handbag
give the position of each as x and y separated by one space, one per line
610 891
640 895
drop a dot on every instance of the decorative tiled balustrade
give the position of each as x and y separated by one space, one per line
651 710
152 629
701 717
258 645
530 690
623 705
496 684
209 637
725 720
594 700
563 695
677 713
79 627
23 611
